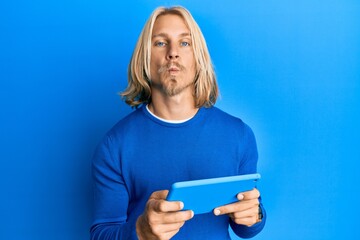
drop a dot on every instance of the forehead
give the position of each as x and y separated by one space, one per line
170 24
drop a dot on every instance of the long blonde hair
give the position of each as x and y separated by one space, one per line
138 90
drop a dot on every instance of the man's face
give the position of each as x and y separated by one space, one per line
172 63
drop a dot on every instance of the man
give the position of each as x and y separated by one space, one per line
175 134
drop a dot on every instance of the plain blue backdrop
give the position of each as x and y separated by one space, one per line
290 69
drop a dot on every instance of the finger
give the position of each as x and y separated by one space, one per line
168 235
165 228
178 217
171 227
251 212
236 207
253 194
164 206
159 194
248 221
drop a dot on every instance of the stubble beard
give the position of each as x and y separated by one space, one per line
171 86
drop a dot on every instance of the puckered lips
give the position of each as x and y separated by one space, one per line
173 70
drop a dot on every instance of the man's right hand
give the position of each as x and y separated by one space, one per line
161 219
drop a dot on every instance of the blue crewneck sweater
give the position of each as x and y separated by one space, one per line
142 154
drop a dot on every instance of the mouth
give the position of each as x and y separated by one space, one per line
173 70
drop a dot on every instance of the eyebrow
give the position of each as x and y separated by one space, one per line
165 35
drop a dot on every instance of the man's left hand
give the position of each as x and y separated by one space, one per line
245 211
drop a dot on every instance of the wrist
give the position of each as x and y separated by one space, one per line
260 214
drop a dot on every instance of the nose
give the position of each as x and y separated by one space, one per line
173 53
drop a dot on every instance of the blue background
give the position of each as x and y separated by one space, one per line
290 69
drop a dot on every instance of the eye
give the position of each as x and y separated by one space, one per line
160 44
185 44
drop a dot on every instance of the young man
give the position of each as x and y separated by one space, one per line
175 134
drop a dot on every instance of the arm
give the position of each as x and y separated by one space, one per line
250 226
110 196
161 219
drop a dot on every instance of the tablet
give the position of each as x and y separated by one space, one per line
202 196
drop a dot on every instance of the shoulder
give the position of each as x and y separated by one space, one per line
228 121
115 139
219 115
127 124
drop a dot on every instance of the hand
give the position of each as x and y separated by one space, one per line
161 219
245 211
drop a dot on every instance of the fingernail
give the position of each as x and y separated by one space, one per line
217 212
240 197
192 214
181 205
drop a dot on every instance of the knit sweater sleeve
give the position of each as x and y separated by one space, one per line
110 196
248 165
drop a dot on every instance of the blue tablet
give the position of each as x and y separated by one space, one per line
202 196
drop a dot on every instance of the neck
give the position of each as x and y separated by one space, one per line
177 107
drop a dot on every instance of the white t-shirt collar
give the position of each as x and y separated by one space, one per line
165 120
